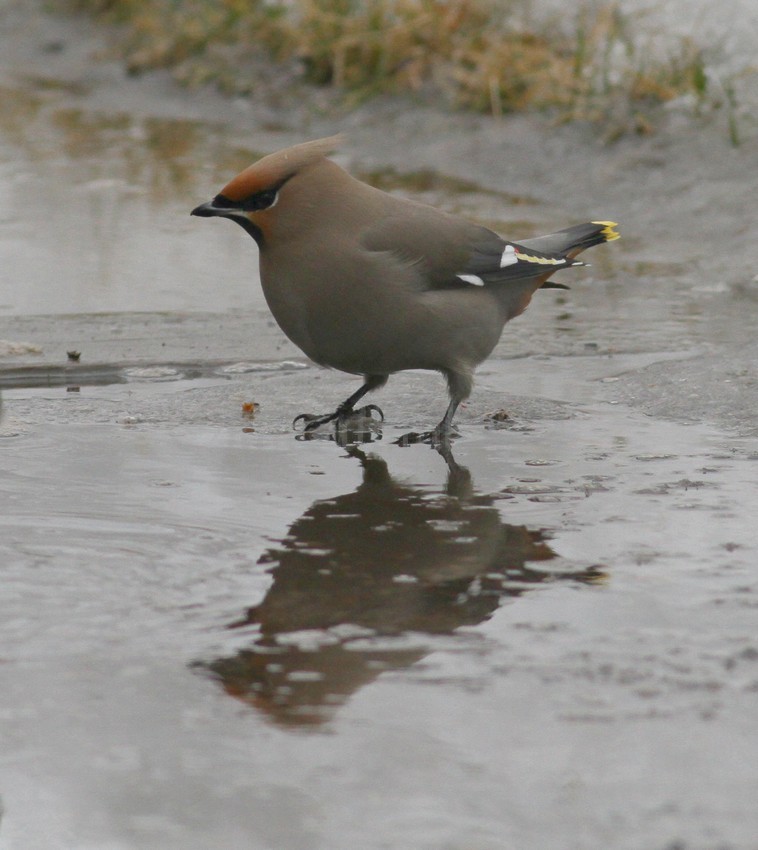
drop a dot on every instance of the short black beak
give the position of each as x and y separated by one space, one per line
207 210
224 208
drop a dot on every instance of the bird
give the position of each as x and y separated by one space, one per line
372 284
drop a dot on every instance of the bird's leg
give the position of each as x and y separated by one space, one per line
459 386
345 409
445 428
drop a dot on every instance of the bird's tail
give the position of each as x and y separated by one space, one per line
574 240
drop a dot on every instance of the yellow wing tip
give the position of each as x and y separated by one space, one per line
609 230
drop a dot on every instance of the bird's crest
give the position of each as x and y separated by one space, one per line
276 168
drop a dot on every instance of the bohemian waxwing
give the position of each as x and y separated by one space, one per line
372 284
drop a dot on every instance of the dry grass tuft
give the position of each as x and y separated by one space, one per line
476 54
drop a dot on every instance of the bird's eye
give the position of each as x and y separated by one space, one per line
260 200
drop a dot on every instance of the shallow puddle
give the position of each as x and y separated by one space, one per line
92 200
475 643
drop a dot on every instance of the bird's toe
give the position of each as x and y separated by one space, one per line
367 412
310 421
437 438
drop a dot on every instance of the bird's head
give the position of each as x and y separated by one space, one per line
251 197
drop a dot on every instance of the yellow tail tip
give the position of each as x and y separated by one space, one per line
609 230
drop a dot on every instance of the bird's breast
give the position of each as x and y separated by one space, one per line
288 301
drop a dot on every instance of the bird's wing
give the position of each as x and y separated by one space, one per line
499 261
448 252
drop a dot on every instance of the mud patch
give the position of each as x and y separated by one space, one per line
722 389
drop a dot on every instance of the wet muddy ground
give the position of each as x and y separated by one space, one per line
215 634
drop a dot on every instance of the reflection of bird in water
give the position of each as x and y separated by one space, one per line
357 572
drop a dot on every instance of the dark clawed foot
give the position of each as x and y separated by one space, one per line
412 438
439 437
366 413
311 421
350 426
341 418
